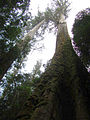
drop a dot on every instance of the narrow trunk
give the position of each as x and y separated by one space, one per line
12 55
26 39
60 94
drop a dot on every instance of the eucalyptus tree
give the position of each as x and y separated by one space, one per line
63 90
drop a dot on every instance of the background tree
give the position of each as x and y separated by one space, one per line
81 35
13 17
17 46
16 90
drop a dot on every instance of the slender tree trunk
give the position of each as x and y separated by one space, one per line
60 95
12 55
26 39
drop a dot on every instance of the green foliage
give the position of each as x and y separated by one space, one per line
51 15
58 7
81 34
35 20
17 89
13 15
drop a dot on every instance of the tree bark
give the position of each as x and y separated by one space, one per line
9 57
62 92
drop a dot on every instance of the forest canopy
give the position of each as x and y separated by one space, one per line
13 16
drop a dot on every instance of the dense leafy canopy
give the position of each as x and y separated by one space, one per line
13 16
81 32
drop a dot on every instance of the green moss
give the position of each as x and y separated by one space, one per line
59 89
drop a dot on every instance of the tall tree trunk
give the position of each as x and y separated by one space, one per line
12 55
62 92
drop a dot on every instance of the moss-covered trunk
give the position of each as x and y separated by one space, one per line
62 91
